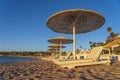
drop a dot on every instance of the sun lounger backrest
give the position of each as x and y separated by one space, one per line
95 52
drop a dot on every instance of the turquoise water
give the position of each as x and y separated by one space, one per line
7 59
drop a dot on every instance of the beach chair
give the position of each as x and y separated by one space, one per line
93 54
67 56
96 53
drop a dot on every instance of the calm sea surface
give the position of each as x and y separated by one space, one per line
6 59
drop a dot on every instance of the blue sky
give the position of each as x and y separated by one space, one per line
23 22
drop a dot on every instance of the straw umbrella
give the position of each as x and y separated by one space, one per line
60 40
55 46
112 44
53 50
75 21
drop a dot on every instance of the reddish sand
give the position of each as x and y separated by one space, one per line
46 70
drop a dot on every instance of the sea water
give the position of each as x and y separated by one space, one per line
7 59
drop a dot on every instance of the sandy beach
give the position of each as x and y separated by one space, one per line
47 70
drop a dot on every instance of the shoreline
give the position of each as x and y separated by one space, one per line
22 56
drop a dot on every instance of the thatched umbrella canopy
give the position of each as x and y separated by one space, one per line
56 47
60 40
114 42
75 21
53 49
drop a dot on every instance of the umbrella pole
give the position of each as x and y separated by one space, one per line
74 41
109 55
56 52
60 49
